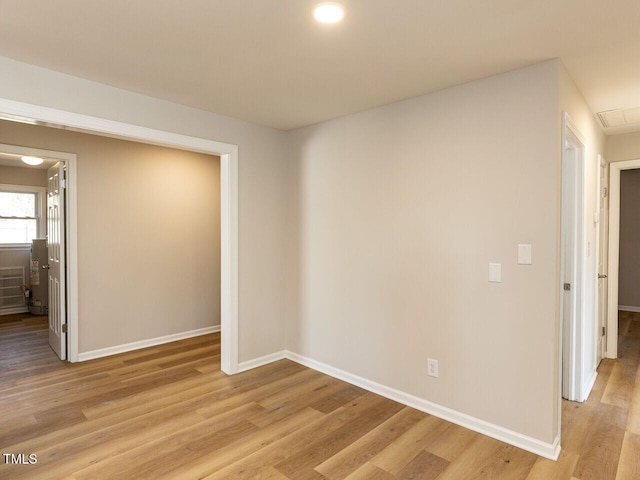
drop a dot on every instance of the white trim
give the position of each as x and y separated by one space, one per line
600 223
28 113
71 239
151 342
21 247
628 308
36 114
13 310
533 445
259 362
614 251
229 260
573 348
588 386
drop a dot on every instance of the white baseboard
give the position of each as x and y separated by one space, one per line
589 386
533 445
128 347
13 310
259 362
628 308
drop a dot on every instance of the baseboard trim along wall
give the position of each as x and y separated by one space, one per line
13 310
547 450
628 308
589 386
261 361
150 342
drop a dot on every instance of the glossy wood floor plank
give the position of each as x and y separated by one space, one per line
395 457
349 459
545 469
629 465
168 413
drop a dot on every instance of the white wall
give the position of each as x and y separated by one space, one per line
400 211
623 147
263 192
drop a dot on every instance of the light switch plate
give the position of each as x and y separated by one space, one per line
495 272
432 367
524 254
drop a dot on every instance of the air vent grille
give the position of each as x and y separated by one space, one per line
618 118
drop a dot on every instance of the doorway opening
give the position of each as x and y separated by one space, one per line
615 170
45 283
26 113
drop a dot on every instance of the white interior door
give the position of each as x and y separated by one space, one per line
603 184
577 292
569 231
56 251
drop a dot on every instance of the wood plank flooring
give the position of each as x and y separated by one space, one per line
167 412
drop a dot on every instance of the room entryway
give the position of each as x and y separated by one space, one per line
33 241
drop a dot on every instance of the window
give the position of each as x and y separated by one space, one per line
20 214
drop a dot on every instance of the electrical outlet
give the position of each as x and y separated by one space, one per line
432 367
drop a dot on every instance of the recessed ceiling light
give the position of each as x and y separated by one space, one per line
329 12
32 160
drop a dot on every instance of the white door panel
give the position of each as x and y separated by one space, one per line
603 184
55 244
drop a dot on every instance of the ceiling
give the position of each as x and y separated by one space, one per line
12 160
269 62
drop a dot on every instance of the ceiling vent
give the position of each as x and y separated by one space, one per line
618 118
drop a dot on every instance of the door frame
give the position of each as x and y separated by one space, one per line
35 114
575 381
69 244
614 251
602 236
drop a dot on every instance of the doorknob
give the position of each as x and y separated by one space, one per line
45 267
601 276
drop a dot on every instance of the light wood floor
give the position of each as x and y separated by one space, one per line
167 412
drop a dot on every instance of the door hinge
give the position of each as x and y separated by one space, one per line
604 192
604 331
63 183
64 328
567 287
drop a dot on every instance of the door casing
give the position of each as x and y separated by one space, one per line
35 114
614 252
601 249
577 333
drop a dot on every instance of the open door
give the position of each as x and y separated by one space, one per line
578 329
570 262
56 256
603 184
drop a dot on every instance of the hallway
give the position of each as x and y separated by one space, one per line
601 437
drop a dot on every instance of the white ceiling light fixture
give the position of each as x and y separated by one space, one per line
32 160
328 12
